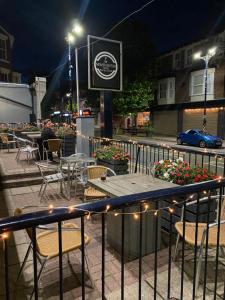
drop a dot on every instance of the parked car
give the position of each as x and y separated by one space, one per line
199 138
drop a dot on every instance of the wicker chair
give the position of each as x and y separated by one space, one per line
58 176
7 142
93 172
53 146
190 230
47 244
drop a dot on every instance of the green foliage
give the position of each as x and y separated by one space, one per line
111 152
136 97
62 131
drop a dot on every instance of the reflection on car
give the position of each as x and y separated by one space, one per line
199 138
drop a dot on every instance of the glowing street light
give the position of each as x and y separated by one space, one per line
77 31
211 52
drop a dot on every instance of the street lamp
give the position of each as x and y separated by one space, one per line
211 52
77 31
70 40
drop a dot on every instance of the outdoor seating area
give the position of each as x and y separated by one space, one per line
111 219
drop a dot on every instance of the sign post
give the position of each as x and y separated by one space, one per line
105 74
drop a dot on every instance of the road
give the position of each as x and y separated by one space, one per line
211 159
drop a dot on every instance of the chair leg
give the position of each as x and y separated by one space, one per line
24 262
41 188
87 264
39 275
44 190
176 247
198 272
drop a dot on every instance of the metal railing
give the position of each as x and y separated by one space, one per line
147 204
143 155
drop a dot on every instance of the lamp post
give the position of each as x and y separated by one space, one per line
70 40
211 52
77 31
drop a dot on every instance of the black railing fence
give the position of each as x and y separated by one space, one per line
181 234
143 155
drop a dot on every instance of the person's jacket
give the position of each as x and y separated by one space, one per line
47 133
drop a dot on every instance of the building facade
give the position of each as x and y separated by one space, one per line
6 45
181 89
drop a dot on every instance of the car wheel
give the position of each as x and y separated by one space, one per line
179 142
202 144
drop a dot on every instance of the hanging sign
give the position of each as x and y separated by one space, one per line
104 64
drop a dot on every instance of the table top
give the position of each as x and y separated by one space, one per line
74 159
34 135
123 185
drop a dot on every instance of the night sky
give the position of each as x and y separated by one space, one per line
39 27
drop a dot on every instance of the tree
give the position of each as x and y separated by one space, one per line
137 96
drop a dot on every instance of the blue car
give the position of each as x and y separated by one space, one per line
199 138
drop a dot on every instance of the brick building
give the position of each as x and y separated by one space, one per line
6 45
180 93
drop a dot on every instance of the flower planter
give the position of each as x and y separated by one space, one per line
120 167
191 213
68 145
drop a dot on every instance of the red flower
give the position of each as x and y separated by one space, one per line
187 175
196 179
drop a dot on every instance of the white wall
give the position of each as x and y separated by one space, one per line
11 111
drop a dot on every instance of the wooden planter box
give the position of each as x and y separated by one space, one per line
68 145
191 213
120 167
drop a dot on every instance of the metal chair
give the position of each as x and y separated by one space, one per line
93 172
190 234
30 149
51 146
7 142
58 176
47 244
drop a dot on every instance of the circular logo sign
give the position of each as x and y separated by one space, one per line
105 65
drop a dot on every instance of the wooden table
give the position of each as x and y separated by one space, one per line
123 185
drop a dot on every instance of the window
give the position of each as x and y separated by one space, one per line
3 49
197 85
189 57
166 91
177 63
4 77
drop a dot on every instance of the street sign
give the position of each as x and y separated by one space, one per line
104 64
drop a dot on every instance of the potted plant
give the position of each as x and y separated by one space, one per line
114 158
180 172
68 136
148 129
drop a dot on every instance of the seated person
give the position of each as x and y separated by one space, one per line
48 133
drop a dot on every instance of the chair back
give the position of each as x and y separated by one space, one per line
4 138
94 172
54 145
222 215
42 168
18 212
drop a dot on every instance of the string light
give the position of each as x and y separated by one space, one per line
50 208
136 216
4 236
171 210
116 214
156 213
108 208
71 208
89 216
